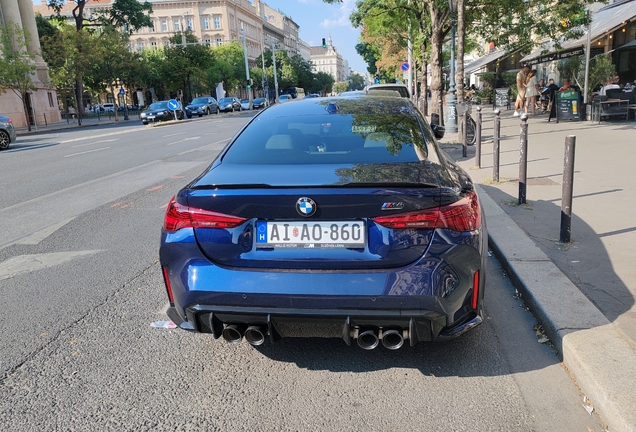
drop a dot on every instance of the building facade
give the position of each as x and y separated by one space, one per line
279 28
328 60
42 105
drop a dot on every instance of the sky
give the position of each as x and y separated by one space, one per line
318 20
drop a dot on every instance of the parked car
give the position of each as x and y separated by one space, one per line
390 89
335 217
258 103
202 106
245 104
7 132
108 107
312 95
284 98
229 104
159 111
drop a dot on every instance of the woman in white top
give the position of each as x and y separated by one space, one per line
532 91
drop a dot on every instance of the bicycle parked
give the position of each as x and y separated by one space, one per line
471 136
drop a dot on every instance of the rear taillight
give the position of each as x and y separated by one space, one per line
463 215
179 216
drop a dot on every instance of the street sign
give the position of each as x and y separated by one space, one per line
405 66
122 91
173 104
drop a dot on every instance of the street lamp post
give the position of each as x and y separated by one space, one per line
451 99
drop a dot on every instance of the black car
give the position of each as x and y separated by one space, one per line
159 111
202 106
229 104
258 103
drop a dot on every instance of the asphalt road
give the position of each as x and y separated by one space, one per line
80 283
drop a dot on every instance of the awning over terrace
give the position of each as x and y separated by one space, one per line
606 20
484 61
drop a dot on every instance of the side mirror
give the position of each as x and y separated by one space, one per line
438 131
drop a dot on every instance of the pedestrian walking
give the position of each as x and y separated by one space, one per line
532 91
521 89
71 112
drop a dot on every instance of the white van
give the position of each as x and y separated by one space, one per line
108 107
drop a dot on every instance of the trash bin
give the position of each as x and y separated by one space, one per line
434 118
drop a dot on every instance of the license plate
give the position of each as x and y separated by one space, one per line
151 117
315 234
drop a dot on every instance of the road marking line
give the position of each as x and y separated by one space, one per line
184 140
38 236
205 147
178 133
88 151
96 142
102 135
29 263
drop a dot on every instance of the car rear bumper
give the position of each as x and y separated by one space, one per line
414 325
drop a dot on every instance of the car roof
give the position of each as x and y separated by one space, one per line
354 104
402 89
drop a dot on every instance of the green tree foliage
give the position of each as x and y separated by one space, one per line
16 64
356 82
129 15
228 67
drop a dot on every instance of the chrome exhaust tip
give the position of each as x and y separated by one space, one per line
392 339
255 335
232 334
368 340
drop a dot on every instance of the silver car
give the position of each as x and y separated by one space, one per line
7 132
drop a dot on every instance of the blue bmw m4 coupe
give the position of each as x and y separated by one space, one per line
328 217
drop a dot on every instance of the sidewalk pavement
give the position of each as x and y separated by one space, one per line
104 120
582 292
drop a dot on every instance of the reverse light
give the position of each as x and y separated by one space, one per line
179 216
462 216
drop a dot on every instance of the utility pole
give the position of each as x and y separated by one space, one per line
410 59
247 68
274 61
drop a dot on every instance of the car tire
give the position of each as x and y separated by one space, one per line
189 116
232 109
5 140
217 110
207 111
145 123
200 115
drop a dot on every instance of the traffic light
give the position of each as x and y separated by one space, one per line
249 83
324 44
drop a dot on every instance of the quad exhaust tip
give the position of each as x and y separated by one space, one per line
392 339
232 334
255 335
368 340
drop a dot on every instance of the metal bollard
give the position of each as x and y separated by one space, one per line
441 111
465 135
45 123
495 147
478 143
523 159
568 187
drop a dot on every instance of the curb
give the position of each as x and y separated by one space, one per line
599 357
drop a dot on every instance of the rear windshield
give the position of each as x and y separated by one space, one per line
330 139
158 105
226 100
200 101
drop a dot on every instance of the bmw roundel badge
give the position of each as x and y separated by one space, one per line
306 206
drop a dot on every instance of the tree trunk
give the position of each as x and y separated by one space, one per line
423 78
437 38
26 110
461 36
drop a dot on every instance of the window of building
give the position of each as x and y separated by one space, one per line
164 25
219 41
217 22
140 46
207 42
50 95
175 25
206 23
153 44
189 24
